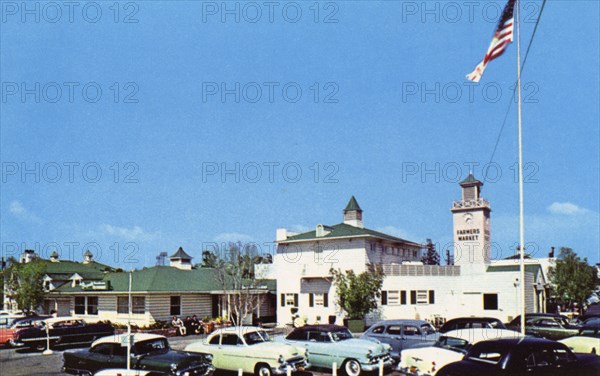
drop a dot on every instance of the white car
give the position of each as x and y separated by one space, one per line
587 341
450 347
250 349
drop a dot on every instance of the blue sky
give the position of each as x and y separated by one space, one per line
371 95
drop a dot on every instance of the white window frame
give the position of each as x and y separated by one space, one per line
422 297
393 297
289 300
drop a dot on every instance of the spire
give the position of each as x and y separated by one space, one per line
353 213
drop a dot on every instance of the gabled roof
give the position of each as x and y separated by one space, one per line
165 279
71 267
343 230
352 205
180 254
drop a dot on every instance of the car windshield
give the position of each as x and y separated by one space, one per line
256 337
151 346
341 335
595 333
454 344
427 329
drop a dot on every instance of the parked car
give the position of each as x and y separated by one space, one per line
149 352
250 349
472 322
520 357
402 334
328 344
548 326
62 331
450 347
9 326
586 341
515 324
125 372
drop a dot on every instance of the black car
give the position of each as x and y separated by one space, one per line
548 326
149 352
61 331
520 357
472 322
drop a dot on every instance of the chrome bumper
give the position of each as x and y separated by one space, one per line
388 362
295 367
415 372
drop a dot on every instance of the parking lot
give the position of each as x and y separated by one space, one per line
17 362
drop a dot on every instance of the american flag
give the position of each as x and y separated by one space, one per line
503 36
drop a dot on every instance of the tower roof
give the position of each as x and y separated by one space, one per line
352 205
471 180
180 254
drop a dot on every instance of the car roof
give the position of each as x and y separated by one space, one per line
472 319
401 322
324 327
52 320
474 335
118 338
238 330
508 344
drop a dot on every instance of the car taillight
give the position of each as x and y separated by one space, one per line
432 366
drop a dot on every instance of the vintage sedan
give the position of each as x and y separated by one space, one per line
523 356
9 325
402 334
149 352
61 331
328 344
472 322
250 349
586 341
450 347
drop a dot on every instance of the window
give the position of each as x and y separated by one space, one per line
378 330
431 297
103 349
138 304
318 299
175 305
384 298
394 330
86 305
80 305
289 300
411 330
490 301
92 305
393 297
413 297
422 297
214 340
318 337
230 340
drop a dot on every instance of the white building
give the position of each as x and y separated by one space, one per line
475 285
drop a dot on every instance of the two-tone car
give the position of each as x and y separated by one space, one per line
402 334
450 347
60 331
251 350
472 323
586 341
522 357
9 325
329 344
149 353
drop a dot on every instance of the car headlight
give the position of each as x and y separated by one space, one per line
173 366
281 359
209 357
369 354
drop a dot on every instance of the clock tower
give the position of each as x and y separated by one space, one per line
471 226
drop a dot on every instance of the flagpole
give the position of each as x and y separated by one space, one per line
521 225
129 344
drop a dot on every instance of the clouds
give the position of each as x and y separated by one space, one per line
20 212
566 208
135 233
397 232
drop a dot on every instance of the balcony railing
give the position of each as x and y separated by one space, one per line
466 204
420 270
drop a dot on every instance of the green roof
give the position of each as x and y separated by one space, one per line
352 205
72 267
470 180
165 279
343 230
531 268
181 255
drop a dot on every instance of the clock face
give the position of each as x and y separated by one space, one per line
468 218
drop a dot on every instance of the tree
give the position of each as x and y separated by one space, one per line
432 257
358 294
24 284
240 282
572 278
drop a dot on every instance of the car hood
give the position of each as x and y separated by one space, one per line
362 346
181 358
431 353
277 348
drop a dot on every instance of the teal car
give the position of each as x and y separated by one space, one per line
329 344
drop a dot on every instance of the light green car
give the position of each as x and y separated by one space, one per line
587 341
251 350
